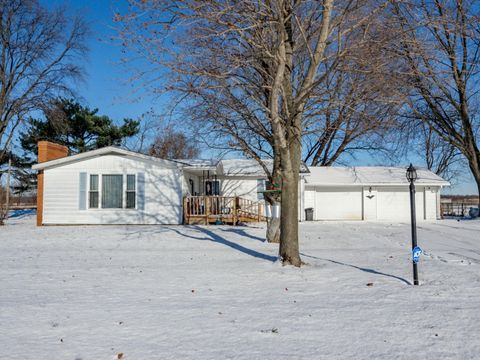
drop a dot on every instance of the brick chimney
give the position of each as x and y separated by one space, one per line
47 151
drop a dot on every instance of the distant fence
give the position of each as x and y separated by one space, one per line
19 202
456 209
19 206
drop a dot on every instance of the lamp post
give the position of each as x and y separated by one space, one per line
411 177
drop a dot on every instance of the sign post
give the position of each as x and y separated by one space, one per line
416 251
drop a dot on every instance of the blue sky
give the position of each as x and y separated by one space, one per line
105 85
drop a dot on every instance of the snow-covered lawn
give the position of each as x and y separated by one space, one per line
176 292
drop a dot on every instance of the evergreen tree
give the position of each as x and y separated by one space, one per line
68 123
78 127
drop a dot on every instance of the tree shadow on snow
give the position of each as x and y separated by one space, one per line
243 233
21 213
367 270
212 236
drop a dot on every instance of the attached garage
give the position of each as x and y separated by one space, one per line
338 203
394 203
370 193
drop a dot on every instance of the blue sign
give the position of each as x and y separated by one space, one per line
416 252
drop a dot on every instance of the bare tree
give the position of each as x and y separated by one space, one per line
440 44
171 144
250 68
150 123
440 157
353 113
38 60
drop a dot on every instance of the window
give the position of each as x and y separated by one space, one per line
212 187
112 191
109 193
93 192
130 191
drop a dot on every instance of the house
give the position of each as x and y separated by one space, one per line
117 186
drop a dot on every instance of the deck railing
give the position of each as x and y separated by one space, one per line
225 209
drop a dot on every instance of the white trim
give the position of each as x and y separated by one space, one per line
100 190
100 152
89 190
135 186
124 191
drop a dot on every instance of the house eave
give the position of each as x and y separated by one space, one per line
442 183
101 152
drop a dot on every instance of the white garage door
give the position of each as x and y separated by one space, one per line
394 204
338 203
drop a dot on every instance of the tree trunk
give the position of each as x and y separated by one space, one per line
291 158
273 224
472 153
475 168
289 249
273 230
478 186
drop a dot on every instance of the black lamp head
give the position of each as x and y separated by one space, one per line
411 174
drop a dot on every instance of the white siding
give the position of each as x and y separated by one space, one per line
301 199
309 198
245 187
370 197
196 184
431 203
164 186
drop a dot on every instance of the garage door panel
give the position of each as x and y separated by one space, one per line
338 204
394 204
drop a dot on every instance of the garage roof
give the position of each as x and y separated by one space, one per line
369 176
250 167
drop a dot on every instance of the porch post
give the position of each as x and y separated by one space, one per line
234 210
185 210
207 208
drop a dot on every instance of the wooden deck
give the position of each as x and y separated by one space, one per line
204 210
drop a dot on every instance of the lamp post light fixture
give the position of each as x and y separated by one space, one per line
412 177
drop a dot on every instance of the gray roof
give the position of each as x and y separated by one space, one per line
108 150
369 175
198 162
249 167
231 167
322 175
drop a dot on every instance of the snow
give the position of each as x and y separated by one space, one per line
369 175
170 292
199 163
250 167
